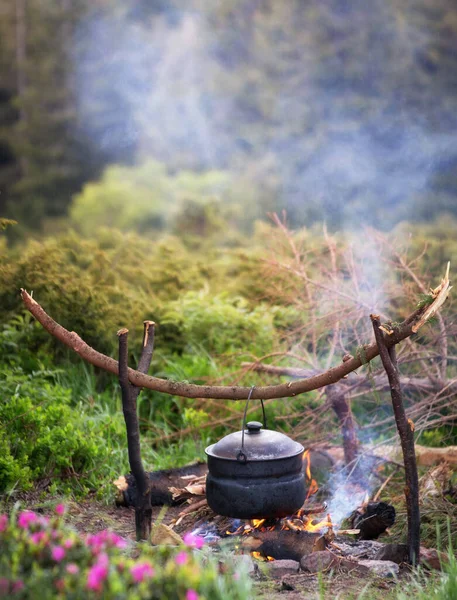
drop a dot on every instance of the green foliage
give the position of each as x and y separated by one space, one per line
220 324
45 437
443 587
4 223
145 198
41 557
425 300
97 286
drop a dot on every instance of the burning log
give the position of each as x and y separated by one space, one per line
373 519
285 544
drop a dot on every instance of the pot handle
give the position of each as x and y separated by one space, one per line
241 456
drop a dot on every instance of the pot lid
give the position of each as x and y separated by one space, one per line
259 444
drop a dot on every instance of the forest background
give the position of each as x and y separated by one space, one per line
144 147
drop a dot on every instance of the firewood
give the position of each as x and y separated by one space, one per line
283 544
161 482
373 519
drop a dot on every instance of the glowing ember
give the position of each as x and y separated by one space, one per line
256 523
260 556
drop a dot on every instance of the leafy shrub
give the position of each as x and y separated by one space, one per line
42 558
94 287
42 436
221 323
213 204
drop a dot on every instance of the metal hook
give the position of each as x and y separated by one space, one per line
241 456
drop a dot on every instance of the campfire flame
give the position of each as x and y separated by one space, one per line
308 519
312 483
260 556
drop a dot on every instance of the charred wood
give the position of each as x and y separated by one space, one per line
373 519
284 544
161 482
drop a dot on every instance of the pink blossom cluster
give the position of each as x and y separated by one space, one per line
7 587
193 541
105 539
45 534
98 573
140 571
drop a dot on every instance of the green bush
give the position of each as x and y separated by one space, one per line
42 558
94 287
221 323
44 437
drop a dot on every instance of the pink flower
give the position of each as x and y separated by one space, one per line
140 571
60 509
68 543
3 522
37 537
18 586
58 553
96 576
117 541
181 558
72 568
194 541
103 539
191 595
26 518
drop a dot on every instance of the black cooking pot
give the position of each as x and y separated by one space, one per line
255 473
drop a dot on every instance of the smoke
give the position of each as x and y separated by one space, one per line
346 493
352 100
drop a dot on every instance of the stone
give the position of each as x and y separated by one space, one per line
397 553
353 566
381 568
162 535
432 558
279 568
318 561
245 562
360 549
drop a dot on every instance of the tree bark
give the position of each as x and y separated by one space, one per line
342 407
406 430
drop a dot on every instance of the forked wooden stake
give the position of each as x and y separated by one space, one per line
143 509
406 430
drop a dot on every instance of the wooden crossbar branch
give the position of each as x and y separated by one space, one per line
233 392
